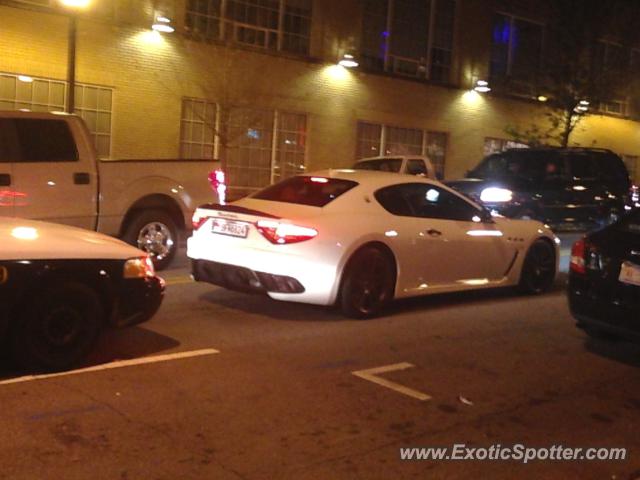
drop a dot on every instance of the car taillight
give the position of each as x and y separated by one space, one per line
198 218
283 233
578 257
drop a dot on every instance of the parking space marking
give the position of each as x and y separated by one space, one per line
116 364
371 374
178 280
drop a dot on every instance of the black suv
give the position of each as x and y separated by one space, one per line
566 188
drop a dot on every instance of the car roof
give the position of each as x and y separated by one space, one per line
557 149
372 179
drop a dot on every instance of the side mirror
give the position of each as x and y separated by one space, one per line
486 216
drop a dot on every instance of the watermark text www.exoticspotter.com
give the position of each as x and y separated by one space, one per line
516 453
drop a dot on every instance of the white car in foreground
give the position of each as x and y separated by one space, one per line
362 238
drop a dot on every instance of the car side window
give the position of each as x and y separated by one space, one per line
416 166
426 201
42 140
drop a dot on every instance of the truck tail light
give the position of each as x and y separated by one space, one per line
218 182
198 218
284 233
578 257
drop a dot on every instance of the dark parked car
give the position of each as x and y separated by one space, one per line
61 286
604 279
566 188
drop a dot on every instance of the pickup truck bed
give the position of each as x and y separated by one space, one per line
49 171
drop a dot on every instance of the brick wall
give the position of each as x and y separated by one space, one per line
150 75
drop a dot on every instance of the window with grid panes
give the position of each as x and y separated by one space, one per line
291 144
197 128
516 47
93 103
269 24
374 138
408 37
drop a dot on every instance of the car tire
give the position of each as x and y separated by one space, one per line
539 268
155 232
58 328
368 283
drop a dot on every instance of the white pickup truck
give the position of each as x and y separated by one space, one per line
49 171
406 164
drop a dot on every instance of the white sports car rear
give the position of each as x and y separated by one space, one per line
362 238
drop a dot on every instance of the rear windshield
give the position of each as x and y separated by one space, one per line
380 164
312 191
631 223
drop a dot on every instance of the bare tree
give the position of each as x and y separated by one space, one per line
576 75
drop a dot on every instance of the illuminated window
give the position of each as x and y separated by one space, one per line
197 128
408 37
258 146
496 145
282 25
93 103
291 144
382 140
516 47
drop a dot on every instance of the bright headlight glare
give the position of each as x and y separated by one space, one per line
138 268
496 195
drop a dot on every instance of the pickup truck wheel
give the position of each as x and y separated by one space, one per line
155 232
58 328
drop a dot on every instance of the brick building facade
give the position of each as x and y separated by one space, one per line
255 82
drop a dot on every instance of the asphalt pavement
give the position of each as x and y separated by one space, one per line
225 385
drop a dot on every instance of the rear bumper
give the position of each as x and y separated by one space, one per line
304 274
609 306
243 279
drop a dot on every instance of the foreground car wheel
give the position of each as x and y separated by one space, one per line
539 268
156 233
368 283
58 329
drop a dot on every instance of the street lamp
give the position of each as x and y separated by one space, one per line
72 6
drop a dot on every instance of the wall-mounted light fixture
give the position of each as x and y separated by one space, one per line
482 86
582 107
542 98
162 24
348 61
75 3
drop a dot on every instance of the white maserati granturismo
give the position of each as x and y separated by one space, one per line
359 239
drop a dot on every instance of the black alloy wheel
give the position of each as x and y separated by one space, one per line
539 268
58 328
368 283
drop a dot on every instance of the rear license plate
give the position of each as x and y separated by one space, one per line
630 273
229 227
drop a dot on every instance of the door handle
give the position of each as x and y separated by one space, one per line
81 178
432 232
5 180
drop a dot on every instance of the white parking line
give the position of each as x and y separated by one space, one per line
371 375
116 364
179 280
